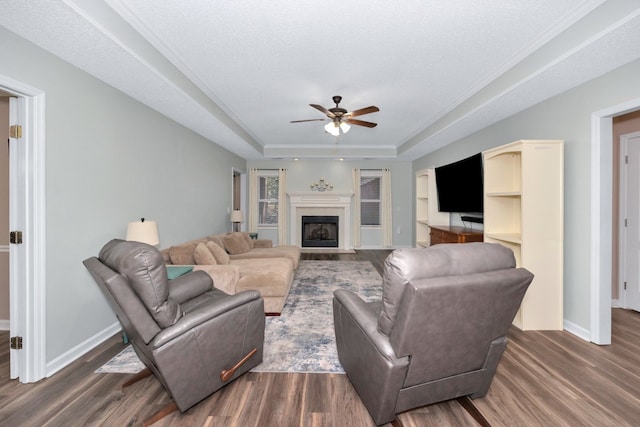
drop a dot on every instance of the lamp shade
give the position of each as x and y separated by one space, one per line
143 231
236 216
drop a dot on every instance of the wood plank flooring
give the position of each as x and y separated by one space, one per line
547 378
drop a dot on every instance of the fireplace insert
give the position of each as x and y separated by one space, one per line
320 231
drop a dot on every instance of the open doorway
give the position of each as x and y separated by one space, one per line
601 221
626 168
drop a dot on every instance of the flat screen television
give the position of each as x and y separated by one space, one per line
459 186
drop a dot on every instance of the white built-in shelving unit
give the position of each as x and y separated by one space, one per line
427 206
523 210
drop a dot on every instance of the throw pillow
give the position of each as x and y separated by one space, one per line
182 254
247 239
220 255
217 239
235 244
203 256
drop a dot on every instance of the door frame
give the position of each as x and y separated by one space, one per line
601 209
27 268
622 230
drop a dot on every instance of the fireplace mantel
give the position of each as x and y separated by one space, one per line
320 203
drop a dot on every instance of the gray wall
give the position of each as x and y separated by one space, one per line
302 173
110 160
567 117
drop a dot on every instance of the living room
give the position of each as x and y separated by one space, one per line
106 159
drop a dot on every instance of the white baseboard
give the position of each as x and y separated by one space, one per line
576 330
81 349
4 325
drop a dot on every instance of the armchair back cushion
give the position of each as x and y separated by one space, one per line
459 317
144 267
408 265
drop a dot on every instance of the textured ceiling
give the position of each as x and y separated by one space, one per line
238 72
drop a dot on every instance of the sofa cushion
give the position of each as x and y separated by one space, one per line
272 277
282 251
235 243
218 253
183 254
203 255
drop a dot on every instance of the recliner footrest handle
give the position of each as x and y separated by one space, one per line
226 374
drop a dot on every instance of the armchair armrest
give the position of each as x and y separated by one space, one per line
209 311
262 243
184 288
367 320
367 356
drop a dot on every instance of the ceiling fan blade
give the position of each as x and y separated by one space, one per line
361 111
324 110
361 123
309 120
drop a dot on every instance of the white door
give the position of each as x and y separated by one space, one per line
630 219
16 251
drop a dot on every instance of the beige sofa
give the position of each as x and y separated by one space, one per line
237 263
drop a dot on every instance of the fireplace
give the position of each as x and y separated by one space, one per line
320 231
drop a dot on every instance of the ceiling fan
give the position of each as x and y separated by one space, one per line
341 119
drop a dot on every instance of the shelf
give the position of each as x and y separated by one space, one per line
504 194
505 237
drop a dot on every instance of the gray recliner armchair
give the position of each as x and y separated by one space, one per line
439 331
192 337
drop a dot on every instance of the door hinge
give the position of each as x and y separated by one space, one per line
15 237
626 159
625 222
625 286
16 343
15 131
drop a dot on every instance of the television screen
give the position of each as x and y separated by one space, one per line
459 186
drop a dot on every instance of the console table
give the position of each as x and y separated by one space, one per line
453 234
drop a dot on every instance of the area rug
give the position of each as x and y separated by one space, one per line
301 339
125 362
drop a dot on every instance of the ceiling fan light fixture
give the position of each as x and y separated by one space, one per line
332 128
344 127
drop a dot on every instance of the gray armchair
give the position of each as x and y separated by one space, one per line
192 337
439 331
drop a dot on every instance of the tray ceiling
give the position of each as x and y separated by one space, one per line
237 72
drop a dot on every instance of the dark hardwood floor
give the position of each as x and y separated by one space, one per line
547 378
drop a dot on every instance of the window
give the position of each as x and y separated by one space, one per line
268 187
370 200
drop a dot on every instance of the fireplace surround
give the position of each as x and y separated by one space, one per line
329 203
